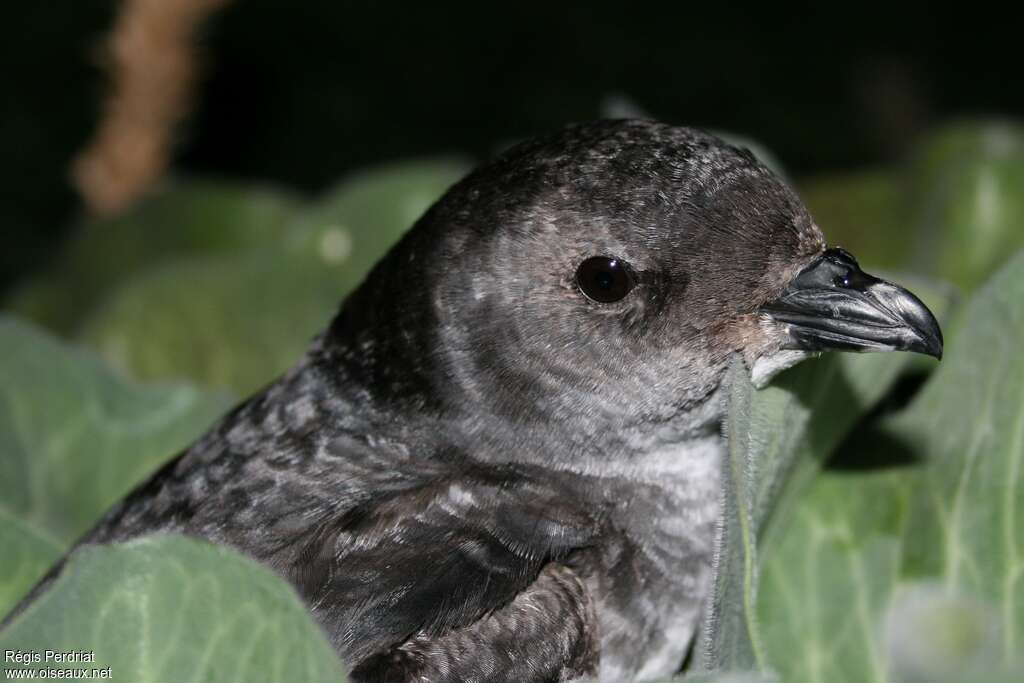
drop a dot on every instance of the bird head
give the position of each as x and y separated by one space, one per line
611 270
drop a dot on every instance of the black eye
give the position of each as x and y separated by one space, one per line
604 279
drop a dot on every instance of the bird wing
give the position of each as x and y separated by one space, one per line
460 560
548 632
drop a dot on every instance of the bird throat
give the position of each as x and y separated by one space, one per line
670 488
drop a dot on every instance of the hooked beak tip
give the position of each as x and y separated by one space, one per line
833 305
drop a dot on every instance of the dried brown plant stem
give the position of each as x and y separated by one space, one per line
151 59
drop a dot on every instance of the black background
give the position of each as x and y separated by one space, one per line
299 92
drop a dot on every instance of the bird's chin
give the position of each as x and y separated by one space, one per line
766 367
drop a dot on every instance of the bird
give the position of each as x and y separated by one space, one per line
501 459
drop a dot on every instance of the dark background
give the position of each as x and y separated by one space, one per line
299 92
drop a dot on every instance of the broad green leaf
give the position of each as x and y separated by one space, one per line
239 319
836 574
934 634
864 212
778 437
359 220
26 557
169 608
74 438
828 575
803 416
728 638
222 322
966 522
183 218
724 677
967 198
954 212
805 413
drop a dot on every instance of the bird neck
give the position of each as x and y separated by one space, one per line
388 386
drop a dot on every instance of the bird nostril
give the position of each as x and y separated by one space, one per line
842 281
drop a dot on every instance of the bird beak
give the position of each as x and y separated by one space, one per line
833 305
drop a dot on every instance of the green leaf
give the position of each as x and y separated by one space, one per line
966 186
954 212
864 212
778 437
75 438
365 215
804 415
26 557
933 634
724 677
239 319
221 322
838 573
729 640
168 608
183 218
828 577
966 522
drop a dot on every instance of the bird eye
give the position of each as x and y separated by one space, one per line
604 279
